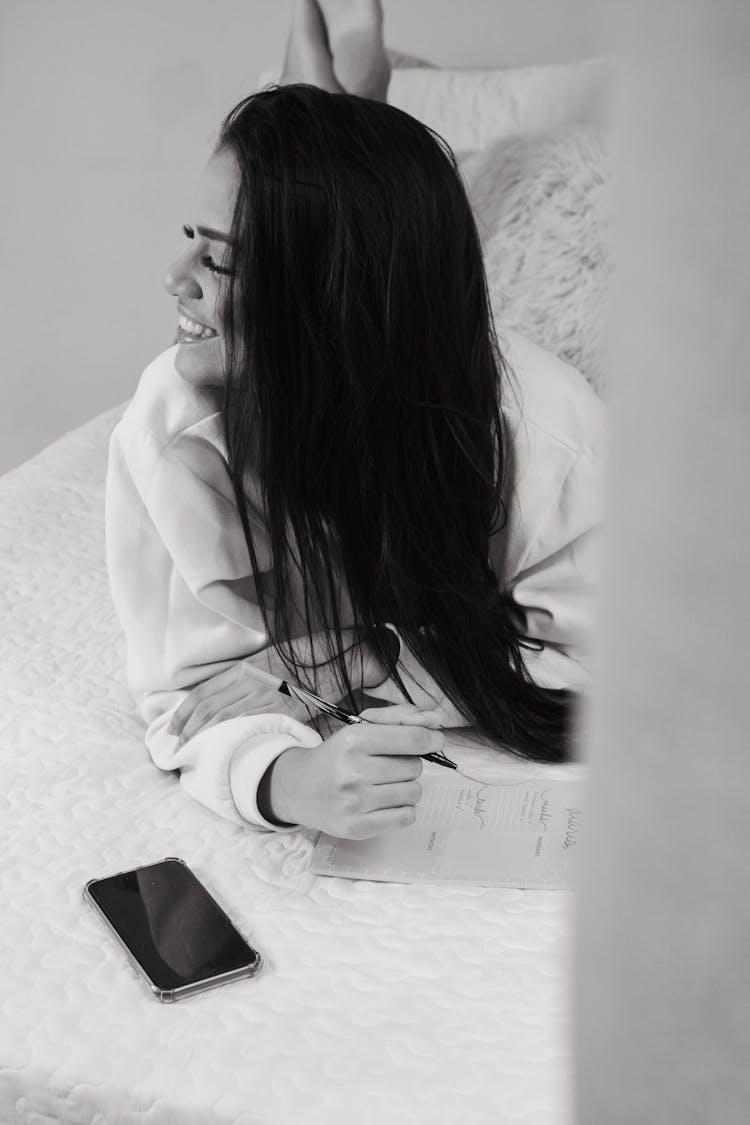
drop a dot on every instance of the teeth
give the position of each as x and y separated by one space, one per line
195 329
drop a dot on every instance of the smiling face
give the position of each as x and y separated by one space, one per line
198 278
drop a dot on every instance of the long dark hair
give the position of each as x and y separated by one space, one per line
363 390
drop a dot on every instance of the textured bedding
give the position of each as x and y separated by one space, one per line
378 1002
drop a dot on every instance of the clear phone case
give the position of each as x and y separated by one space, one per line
170 995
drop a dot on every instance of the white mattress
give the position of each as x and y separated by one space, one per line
378 1002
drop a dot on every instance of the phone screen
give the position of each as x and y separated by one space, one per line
172 926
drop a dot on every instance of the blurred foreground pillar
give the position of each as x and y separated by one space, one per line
663 954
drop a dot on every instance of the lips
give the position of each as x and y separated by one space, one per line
192 329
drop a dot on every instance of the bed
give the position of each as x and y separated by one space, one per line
378 1002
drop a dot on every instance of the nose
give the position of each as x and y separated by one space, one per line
179 279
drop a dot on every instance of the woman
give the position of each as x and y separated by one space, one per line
337 444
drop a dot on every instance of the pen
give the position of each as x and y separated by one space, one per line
308 697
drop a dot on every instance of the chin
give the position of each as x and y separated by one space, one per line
200 363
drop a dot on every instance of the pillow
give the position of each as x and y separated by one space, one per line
473 108
543 208
533 145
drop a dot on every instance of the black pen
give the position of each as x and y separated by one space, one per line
309 698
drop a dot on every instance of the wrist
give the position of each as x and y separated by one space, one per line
277 789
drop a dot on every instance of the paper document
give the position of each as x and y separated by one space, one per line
513 834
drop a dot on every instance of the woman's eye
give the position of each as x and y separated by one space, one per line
207 260
211 265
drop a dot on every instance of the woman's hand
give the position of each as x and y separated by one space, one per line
228 695
236 692
442 715
359 782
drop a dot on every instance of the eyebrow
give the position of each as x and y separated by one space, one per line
214 235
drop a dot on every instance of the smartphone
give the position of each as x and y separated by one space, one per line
174 932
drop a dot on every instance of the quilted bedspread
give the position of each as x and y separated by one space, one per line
377 1002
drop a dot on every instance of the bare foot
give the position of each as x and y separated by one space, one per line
308 55
355 36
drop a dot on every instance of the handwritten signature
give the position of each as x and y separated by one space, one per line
574 823
545 816
480 806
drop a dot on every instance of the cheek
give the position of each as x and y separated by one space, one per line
220 294
202 363
215 303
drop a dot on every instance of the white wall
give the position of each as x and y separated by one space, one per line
108 110
663 983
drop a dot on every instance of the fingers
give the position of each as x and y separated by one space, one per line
402 713
205 709
398 795
386 771
394 740
233 700
438 717
200 693
383 820
198 722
